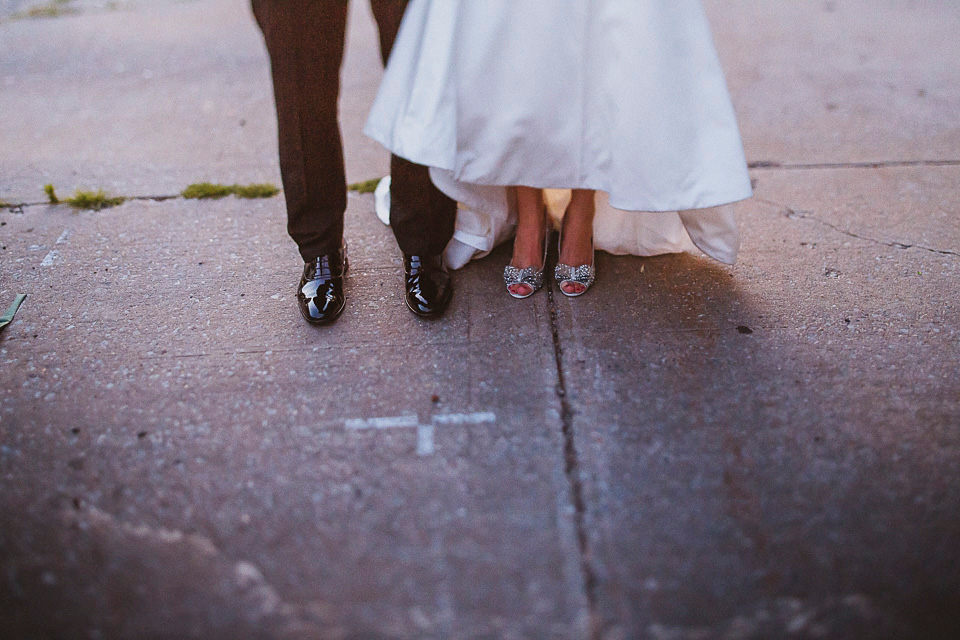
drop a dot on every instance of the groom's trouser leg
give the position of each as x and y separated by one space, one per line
305 40
421 216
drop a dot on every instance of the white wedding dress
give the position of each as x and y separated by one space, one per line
623 96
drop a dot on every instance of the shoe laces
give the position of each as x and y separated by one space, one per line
323 268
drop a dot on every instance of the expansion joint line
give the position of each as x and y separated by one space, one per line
879 164
886 243
794 214
572 472
18 207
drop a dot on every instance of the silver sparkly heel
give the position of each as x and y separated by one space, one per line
530 276
583 274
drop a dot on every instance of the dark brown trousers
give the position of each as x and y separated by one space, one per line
305 40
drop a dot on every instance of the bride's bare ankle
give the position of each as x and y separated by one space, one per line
577 248
577 235
528 248
531 218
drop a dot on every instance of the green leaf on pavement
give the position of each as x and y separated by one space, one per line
7 318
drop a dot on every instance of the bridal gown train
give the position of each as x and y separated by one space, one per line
623 96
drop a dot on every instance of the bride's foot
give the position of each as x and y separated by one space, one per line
524 275
577 243
575 270
576 276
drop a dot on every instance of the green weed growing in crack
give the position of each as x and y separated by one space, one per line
200 190
203 190
99 199
94 200
367 186
83 199
255 191
51 194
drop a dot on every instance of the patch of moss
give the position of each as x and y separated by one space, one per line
4 204
94 200
51 194
263 190
201 190
367 186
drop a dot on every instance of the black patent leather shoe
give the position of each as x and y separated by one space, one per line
320 297
427 284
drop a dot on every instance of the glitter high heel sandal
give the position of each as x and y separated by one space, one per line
530 276
583 274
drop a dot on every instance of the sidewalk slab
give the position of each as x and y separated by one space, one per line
842 81
386 476
770 449
154 96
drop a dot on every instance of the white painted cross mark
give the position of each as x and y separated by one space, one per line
382 423
52 256
424 431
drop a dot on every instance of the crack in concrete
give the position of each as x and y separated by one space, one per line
572 472
774 165
18 207
794 214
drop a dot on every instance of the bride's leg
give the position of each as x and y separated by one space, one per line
528 244
577 235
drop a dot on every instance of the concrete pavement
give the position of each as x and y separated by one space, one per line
690 452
